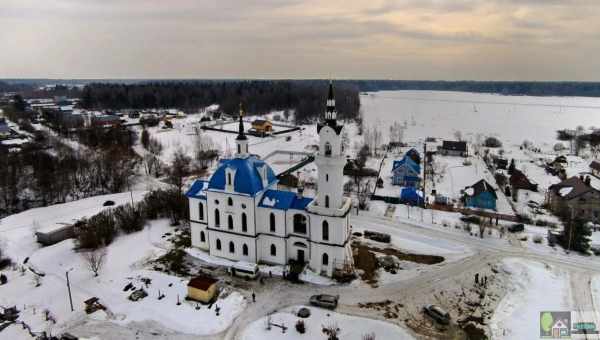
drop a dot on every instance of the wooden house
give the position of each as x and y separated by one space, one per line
262 126
480 195
576 197
518 180
454 148
202 288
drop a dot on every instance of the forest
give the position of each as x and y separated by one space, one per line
307 98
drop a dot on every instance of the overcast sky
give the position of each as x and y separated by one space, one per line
403 39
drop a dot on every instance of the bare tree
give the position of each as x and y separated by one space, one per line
95 259
368 336
331 331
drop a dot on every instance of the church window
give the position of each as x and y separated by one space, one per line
230 222
218 244
217 218
245 250
325 259
229 178
230 201
200 211
202 237
231 247
327 149
325 231
272 222
326 177
244 223
273 250
326 201
300 224
239 147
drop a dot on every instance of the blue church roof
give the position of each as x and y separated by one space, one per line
247 177
283 200
198 190
406 161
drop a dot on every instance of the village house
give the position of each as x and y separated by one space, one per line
595 168
262 126
480 195
240 214
575 197
406 173
518 180
411 196
202 288
414 155
454 148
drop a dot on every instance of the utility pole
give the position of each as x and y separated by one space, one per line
570 231
424 158
69 289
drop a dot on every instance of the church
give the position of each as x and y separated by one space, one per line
239 213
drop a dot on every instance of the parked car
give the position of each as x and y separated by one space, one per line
324 301
376 236
437 314
516 228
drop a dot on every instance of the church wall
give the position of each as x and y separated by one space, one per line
196 229
238 241
264 249
338 229
263 222
241 204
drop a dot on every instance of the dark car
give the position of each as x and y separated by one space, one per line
437 314
516 228
376 236
324 301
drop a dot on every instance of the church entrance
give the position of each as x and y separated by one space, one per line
300 257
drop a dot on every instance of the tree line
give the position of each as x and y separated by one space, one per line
306 98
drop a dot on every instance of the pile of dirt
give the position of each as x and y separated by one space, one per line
366 262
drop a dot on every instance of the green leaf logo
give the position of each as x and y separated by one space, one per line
546 321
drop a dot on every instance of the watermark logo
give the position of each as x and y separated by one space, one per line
555 325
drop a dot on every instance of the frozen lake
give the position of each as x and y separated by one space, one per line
512 118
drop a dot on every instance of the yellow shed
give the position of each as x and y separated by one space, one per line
202 288
262 126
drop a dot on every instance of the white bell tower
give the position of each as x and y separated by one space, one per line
241 140
330 161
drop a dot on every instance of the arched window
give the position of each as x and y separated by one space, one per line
245 250
325 259
327 149
325 231
217 218
200 211
229 178
300 224
202 237
326 201
326 177
230 222
244 223
272 222
239 148
218 244
230 201
273 250
231 247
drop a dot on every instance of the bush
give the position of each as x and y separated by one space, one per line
471 219
129 218
97 231
300 326
492 142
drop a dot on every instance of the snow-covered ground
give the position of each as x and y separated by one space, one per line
513 118
17 232
351 328
533 288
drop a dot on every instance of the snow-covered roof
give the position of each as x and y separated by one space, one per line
565 191
283 200
198 190
247 179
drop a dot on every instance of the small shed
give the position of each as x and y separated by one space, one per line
262 126
454 148
202 288
411 196
595 168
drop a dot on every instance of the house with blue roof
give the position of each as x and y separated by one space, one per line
239 213
406 173
480 195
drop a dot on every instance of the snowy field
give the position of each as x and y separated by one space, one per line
513 118
351 328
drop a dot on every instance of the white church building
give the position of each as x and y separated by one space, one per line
239 214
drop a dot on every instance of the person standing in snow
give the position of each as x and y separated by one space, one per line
253 297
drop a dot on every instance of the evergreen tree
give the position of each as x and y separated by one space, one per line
511 167
576 235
